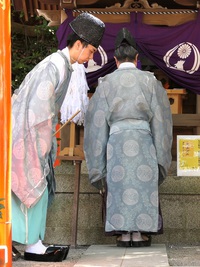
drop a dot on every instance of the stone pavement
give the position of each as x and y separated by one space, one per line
158 255
184 255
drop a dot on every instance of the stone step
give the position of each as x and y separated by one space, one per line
110 255
107 256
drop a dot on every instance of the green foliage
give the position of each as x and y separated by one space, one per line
28 50
1 207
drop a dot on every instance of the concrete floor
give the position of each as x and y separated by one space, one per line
158 255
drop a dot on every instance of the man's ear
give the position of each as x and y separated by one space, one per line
116 61
136 59
78 44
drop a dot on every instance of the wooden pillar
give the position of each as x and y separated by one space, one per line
73 152
76 202
5 136
198 112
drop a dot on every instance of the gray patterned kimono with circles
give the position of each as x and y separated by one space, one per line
127 145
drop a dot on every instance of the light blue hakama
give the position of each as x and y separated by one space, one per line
31 223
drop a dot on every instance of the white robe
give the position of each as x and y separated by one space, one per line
35 107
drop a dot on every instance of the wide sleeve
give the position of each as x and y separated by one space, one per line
161 128
96 133
33 110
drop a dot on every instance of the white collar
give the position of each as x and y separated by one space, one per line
126 65
66 53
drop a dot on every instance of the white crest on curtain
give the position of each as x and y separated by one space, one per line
76 98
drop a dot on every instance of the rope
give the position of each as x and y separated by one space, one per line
145 12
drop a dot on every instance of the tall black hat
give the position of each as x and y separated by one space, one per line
124 36
89 28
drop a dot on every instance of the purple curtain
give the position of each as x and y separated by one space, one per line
173 49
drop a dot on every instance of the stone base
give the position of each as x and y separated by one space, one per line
179 198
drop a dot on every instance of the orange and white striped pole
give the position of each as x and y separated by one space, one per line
5 136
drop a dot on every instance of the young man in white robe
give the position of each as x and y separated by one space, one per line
35 107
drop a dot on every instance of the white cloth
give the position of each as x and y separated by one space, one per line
76 98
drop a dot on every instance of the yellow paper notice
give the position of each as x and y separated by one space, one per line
188 155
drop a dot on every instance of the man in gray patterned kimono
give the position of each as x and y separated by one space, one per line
127 145
35 107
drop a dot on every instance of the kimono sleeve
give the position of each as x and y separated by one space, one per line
161 128
96 135
33 110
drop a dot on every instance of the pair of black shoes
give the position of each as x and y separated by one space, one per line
136 244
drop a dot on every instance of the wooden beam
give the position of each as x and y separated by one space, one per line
25 10
186 2
198 111
50 2
169 17
189 120
53 16
114 16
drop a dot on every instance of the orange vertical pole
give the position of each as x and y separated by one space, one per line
5 136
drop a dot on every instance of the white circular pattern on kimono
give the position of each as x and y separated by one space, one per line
31 117
127 79
22 94
159 114
157 124
144 173
152 151
109 151
130 196
141 103
45 90
20 118
91 106
169 127
165 143
15 180
97 148
144 222
19 149
99 118
13 122
40 146
150 88
131 148
117 173
117 220
34 174
166 101
154 199
117 104
109 200
114 129
104 89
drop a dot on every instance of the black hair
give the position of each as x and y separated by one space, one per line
125 52
72 38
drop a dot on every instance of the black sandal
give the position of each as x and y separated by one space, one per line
15 254
55 247
49 256
144 243
125 244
